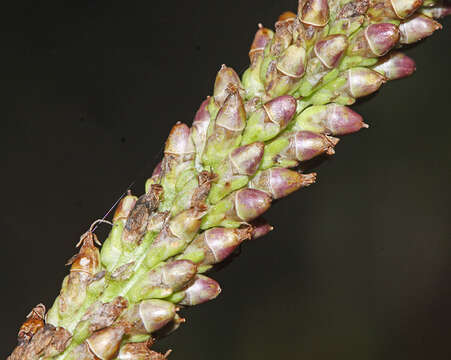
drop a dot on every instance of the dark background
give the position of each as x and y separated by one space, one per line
359 265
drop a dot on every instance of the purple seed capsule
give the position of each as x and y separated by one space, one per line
280 182
246 159
330 50
203 289
417 28
226 77
314 12
260 227
395 66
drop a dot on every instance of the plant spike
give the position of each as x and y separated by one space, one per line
216 179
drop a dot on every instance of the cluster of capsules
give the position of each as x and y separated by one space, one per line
220 175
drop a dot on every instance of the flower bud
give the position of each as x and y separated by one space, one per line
226 77
105 343
280 182
395 66
330 119
203 289
314 12
417 28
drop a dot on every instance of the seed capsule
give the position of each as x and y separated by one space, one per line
237 208
374 41
268 121
260 227
105 343
262 38
226 77
314 12
395 66
405 8
292 61
330 119
175 236
363 82
203 289
436 12
226 135
163 280
331 49
217 244
417 28
280 182
246 159
200 127
147 317
291 148
179 143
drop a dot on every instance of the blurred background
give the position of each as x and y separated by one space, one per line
359 265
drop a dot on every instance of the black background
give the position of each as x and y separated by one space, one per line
359 265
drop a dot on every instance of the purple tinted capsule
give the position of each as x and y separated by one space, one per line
203 289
